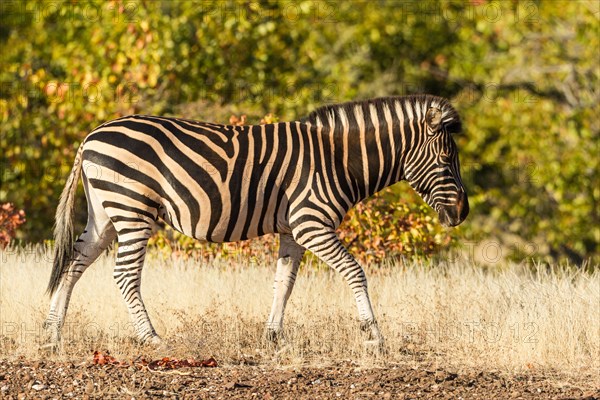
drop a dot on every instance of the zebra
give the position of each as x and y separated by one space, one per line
223 183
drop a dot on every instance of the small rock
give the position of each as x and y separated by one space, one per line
4 388
230 385
233 385
38 386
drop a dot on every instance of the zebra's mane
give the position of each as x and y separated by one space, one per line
450 117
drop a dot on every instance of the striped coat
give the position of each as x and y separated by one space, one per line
225 183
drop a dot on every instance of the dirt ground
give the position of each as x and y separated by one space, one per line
48 380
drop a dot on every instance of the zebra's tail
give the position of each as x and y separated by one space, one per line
63 226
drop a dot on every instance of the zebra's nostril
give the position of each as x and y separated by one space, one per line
443 216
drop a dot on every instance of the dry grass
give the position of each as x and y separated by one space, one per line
515 318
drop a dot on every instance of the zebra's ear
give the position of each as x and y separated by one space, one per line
433 117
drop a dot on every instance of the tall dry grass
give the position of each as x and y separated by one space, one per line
515 318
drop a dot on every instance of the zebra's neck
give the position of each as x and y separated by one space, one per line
372 138
368 140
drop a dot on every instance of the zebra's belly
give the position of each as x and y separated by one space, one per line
226 225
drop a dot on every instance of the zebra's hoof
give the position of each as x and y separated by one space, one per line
51 347
156 342
273 335
375 347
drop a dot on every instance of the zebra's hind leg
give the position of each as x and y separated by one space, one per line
325 244
288 262
133 239
97 236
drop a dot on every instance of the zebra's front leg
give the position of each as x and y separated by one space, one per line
288 262
325 244
128 276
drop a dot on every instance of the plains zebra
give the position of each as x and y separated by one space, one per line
227 183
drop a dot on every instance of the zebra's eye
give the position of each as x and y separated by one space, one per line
445 158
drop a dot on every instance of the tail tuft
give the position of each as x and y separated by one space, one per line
63 226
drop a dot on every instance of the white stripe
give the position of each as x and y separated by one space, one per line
263 137
409 110
360 120
400 115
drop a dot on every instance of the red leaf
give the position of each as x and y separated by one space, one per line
165 363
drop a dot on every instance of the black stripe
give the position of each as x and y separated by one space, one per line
295 163
132 230
276 169
121 206
113 187
236 182
256 173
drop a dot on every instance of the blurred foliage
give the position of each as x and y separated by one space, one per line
10 220
390 226
524 75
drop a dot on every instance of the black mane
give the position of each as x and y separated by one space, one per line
451 119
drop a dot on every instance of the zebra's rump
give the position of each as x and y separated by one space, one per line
211 182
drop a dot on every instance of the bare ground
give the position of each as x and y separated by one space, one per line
22 379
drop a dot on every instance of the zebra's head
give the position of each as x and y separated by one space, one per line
432 168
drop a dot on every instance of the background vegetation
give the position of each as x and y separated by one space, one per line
523 74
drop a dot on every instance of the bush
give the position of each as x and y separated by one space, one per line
391 226
10 220
530 145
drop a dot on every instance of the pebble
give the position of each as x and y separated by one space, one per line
39 386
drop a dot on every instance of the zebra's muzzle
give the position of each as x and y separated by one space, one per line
456 214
